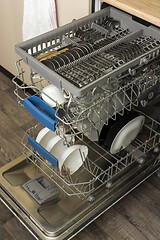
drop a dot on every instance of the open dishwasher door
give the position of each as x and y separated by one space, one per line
106 66
64 217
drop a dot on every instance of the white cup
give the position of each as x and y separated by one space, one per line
51 95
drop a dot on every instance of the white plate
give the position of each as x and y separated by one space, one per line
127 134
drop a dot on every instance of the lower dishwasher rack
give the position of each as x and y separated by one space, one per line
100 168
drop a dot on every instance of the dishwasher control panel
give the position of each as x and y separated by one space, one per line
41 190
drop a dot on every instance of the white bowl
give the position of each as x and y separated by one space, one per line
44 137
49 135
58 148
52 143
42 133
51 95
72 159
56 145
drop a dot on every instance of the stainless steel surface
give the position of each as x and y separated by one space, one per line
69 215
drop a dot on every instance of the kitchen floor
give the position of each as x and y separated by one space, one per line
136 217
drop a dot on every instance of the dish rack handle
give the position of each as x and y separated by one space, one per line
41 111
43 152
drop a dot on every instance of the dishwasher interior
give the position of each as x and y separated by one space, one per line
95 94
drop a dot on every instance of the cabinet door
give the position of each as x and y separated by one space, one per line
72 9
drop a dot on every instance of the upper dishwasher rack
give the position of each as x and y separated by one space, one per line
95 51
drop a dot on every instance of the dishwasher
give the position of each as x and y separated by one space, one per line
94 92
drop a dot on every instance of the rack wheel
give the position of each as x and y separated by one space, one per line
158 173
91 198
